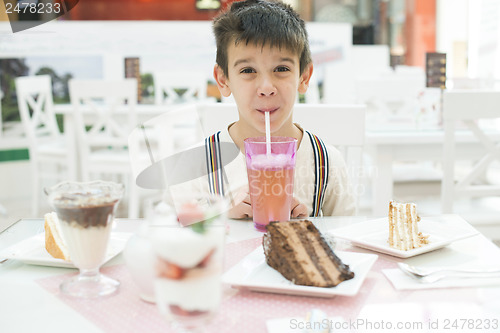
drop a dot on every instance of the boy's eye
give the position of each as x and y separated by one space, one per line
282 69
247 71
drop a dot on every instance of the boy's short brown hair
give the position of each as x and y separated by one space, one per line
262 23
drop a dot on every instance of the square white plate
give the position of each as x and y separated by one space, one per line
374 234
32 250
254 274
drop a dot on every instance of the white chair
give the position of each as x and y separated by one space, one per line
102 140
160 137
391 99
154 141
180 87
469 107
214 116
47 146
342 126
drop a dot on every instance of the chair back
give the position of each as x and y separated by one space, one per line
104 113
164 135
36 106
390 98
342 126
113 108
215 116
48 148
468 108
179 87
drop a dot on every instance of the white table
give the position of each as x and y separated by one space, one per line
27 307
389 146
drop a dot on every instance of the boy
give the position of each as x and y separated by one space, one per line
263 60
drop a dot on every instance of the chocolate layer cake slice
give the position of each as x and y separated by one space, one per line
297 250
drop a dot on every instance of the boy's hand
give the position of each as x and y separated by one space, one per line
299 210
243 208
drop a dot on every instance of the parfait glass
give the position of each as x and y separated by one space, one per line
188 243
85 215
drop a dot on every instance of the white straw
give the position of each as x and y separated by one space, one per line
268 134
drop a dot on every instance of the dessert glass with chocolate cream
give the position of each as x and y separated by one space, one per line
85 212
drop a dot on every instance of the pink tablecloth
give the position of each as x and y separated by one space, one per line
243 311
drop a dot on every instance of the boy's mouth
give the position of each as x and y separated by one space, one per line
270 110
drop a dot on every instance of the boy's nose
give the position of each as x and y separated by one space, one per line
267 88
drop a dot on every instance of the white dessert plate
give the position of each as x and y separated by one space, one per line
32 250
374 234
254 274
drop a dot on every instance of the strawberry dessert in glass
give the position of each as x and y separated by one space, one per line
189 261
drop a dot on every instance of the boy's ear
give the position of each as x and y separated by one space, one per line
222 81
305 77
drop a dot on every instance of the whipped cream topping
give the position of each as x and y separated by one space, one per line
199 288
184 247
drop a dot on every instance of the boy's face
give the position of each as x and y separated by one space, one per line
263 79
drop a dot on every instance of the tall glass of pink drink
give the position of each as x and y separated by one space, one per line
270 178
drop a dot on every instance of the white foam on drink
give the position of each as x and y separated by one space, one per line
268 134
268 161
